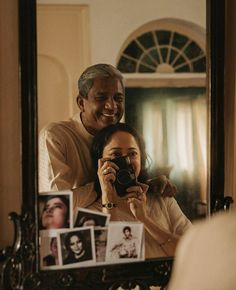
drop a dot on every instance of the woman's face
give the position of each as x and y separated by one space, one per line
90 222
76 245
121 144
54 214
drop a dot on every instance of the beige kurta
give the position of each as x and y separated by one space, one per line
64 155
206 256
165 211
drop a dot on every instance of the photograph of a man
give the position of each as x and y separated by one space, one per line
49 254
128 246
52 258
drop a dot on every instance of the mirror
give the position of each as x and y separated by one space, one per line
21 268
162 56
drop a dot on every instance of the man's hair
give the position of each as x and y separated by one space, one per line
97 71
127 228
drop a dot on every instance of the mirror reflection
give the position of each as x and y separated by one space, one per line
161 93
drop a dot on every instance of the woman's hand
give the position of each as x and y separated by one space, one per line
137 201
107 175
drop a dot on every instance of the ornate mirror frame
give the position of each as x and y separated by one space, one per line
20 266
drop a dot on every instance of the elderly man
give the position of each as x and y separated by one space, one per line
64 147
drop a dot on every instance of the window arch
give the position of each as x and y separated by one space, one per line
164 46
164 65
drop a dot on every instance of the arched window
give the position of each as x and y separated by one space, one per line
164 64
163 51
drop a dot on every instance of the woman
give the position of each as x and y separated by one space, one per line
55 213
76 247
163 219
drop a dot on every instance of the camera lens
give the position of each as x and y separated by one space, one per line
124 176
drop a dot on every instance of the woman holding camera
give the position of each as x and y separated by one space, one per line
163 219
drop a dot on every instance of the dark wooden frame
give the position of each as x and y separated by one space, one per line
20 268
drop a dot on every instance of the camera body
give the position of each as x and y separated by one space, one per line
125 175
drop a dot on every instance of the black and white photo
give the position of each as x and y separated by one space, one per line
76 247
86 217
125 242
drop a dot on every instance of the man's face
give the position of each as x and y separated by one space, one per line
127 233
104 105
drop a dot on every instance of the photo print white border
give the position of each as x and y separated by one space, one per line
45 249
83 212
89 231
56 193
115 242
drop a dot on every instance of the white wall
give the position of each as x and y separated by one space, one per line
112 21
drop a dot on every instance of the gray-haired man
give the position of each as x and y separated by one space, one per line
64 147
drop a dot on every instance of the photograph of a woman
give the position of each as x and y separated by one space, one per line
55 211
77 246
85 217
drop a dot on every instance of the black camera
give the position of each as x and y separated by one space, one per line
125 176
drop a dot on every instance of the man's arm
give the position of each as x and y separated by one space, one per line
54 173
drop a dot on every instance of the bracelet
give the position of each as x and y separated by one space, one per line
109 205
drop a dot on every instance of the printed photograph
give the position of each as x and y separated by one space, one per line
55 210
100 235
124 242
77 247
85 217
49 258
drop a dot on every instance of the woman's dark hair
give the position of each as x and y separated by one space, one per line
71 234
104 136
66 202
84 219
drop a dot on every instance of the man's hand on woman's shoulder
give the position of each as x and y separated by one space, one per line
162 185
